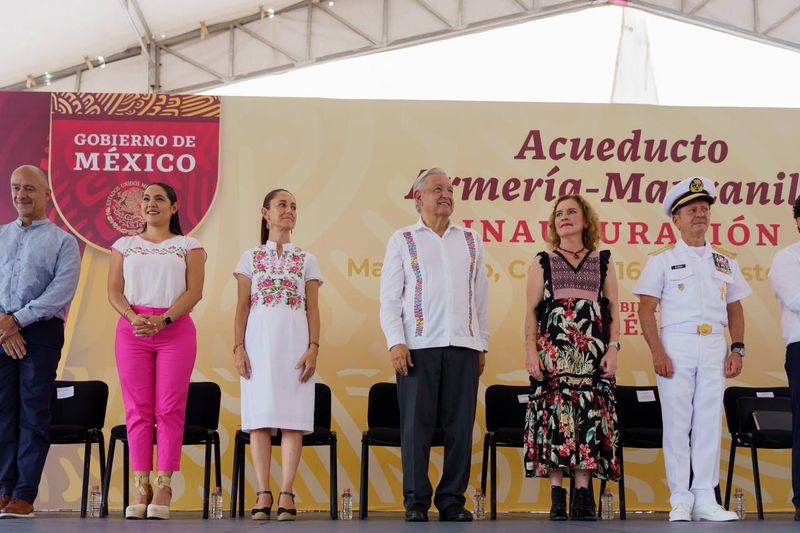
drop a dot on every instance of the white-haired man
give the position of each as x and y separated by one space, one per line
699 289
434 317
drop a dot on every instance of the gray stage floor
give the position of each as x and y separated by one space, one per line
51 522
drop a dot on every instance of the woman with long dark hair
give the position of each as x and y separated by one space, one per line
155 279
276 342
571 344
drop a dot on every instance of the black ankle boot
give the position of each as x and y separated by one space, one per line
558 507
583 505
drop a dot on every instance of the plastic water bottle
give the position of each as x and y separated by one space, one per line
95 501
346 512
607 506
480 505
738 503
216 504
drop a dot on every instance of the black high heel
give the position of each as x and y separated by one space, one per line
283 513
263 512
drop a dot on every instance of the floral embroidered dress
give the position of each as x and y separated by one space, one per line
571 421
276 338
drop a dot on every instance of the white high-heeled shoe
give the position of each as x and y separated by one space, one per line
138 511
160 512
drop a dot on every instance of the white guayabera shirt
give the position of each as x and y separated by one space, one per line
434 289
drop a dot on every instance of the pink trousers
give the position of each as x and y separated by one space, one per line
154 373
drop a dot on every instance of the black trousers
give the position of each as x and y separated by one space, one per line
792 367
442 387
26 391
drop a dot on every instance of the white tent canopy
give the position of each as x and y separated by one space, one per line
193 45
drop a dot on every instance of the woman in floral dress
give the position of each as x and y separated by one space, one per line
276 331
571 344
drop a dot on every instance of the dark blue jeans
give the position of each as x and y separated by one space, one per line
793 374
26 391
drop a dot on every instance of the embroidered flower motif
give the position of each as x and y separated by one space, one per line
419 319
278 278
179 251
470 238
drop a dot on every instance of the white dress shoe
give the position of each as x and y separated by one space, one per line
713 513
681 513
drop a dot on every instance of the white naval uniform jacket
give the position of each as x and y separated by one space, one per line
694 289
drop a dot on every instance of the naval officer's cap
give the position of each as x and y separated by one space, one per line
689 190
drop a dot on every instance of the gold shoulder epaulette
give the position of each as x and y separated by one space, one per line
662 250
723 251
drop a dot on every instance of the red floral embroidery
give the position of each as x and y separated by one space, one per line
277 279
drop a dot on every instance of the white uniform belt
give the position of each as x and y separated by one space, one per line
698 328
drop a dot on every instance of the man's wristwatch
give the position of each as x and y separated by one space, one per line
738 347
14 318
615 344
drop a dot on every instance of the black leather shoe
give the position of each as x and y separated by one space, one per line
455 513
558 507
797 513
583 506
416 515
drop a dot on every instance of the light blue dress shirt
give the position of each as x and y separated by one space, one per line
39 269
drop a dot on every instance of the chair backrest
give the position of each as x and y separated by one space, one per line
638 407
746 405
203 404
731 398
503 406
322 406
79 403
383 409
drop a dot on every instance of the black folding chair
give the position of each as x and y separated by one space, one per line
383 422
322 436
505 426
202 421
639 425
740 404
78 417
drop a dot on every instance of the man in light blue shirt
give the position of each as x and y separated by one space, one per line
39 269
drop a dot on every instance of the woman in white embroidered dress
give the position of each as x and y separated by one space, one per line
276 332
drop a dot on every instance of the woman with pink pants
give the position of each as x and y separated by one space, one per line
154 280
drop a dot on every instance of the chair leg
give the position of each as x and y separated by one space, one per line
87 462
484 465
107 474
364 487
729 480
334 490
101 444
600 499
621 485
126 473
493 481
571 494
207 474
217 463
757 481
235 477
242 465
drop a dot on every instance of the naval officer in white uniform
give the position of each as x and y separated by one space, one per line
699 289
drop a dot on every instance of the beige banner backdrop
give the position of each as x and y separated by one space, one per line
351 163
